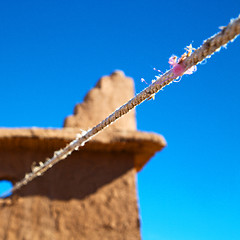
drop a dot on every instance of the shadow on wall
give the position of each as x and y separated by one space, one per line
82 174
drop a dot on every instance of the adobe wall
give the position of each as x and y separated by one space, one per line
91 194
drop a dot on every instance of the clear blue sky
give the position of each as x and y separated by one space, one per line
53 52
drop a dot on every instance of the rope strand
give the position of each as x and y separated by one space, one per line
209 47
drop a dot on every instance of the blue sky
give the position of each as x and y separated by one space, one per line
53 52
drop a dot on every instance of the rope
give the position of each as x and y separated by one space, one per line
186 62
